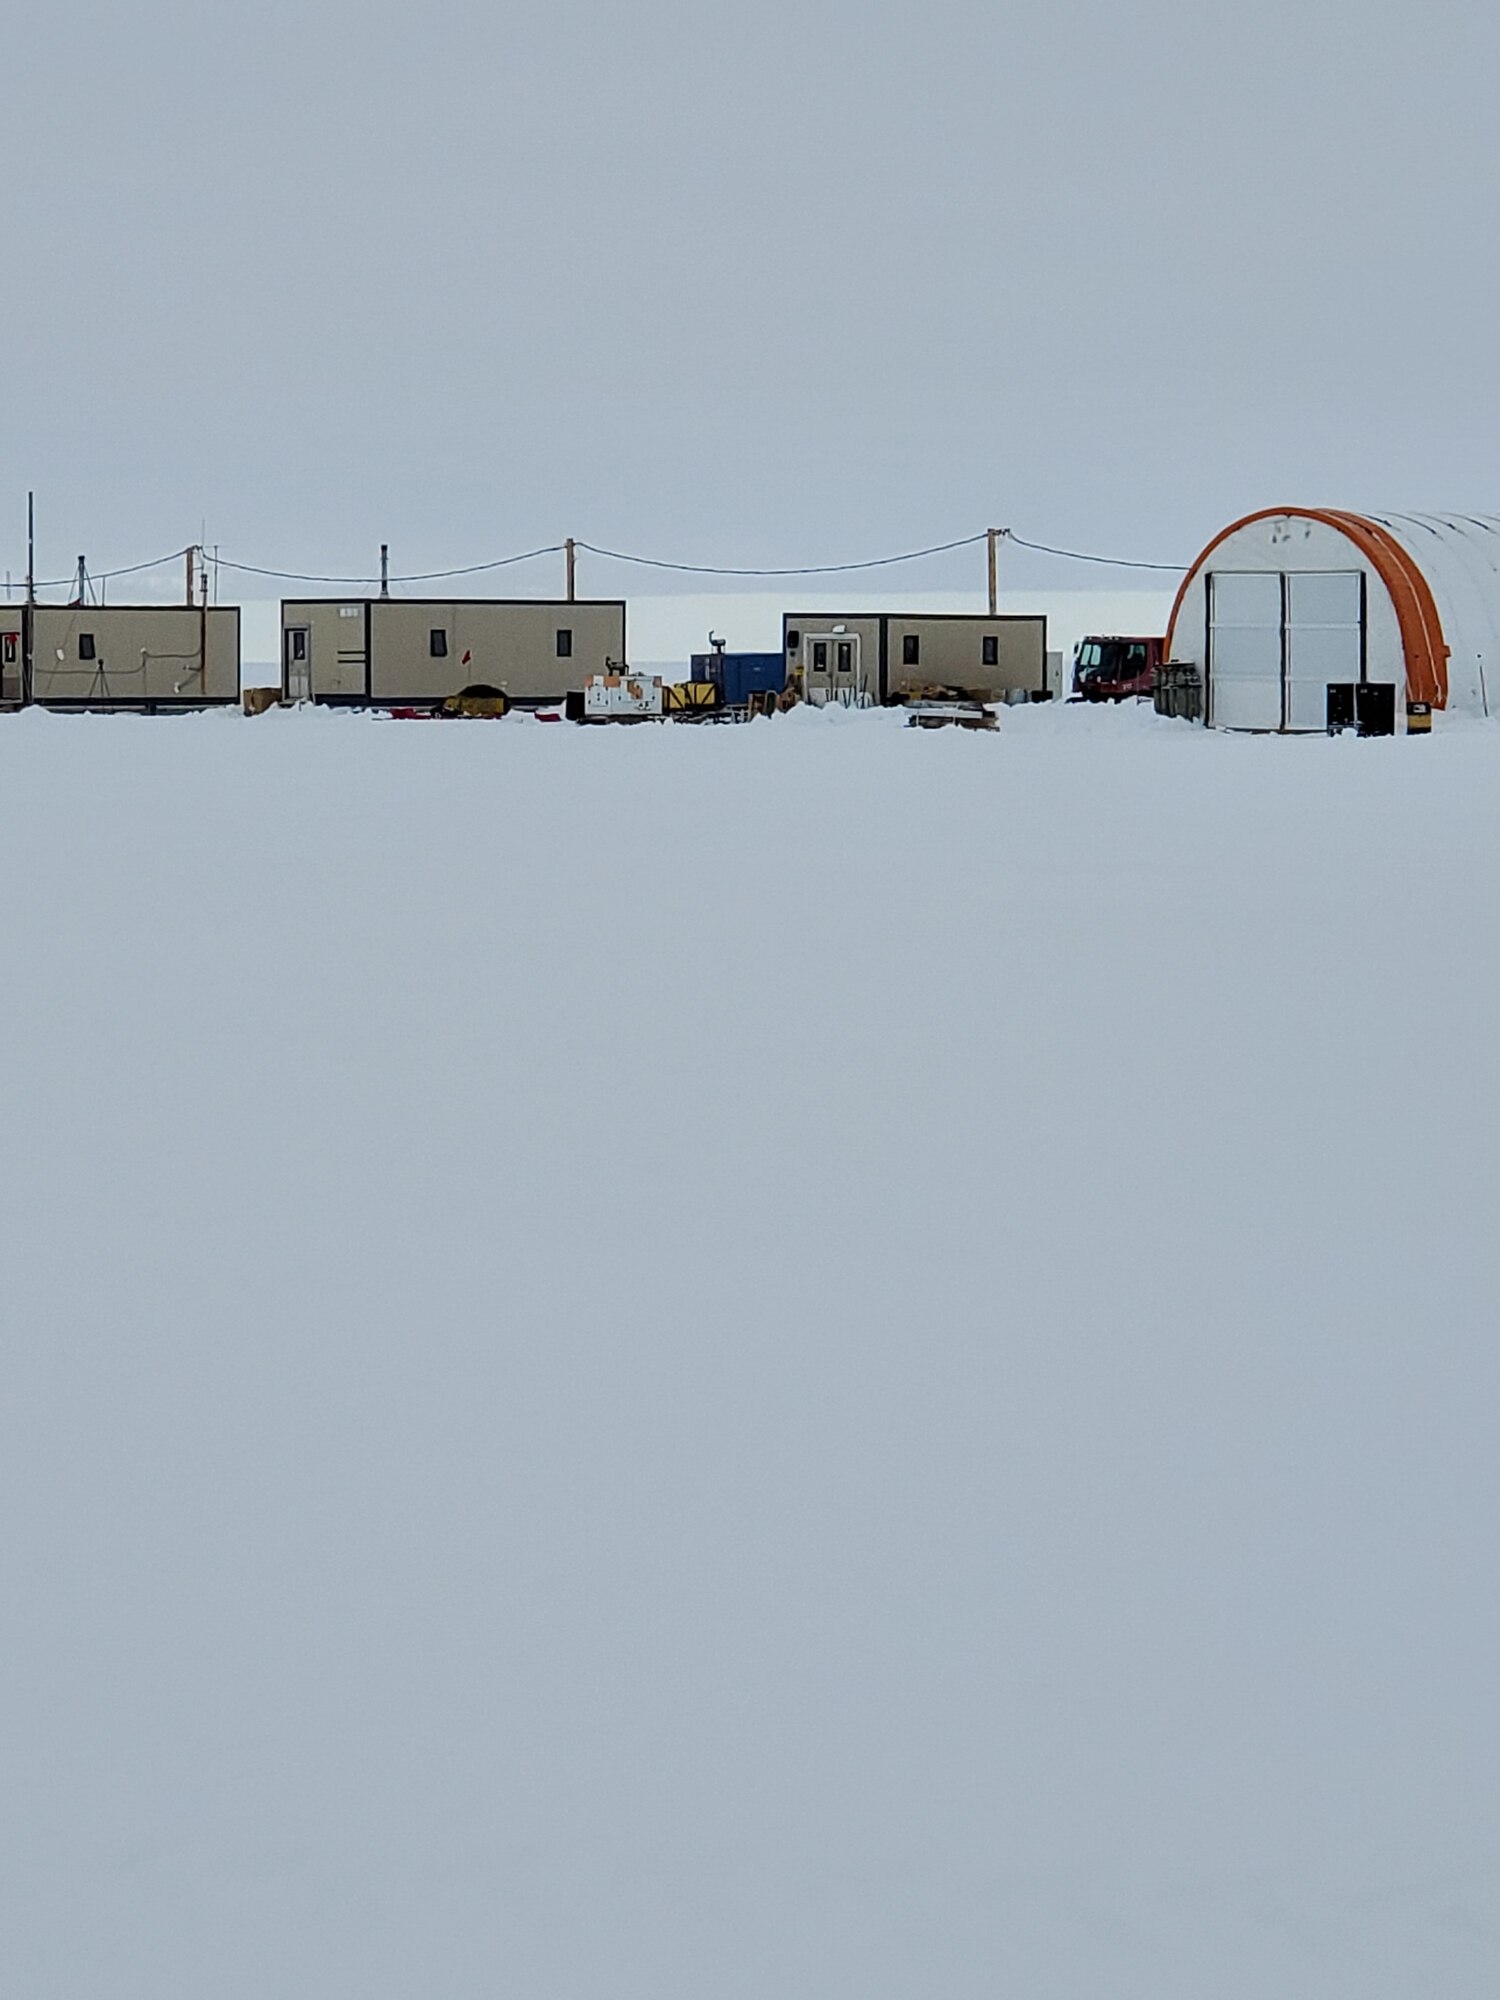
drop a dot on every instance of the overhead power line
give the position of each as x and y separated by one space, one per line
101 575
1108 562
134 569
620 556
804 569
424 576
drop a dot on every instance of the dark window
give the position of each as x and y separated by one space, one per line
298 638
437 643
565 642
911 650
990 650
86 646
845 657
820 656
793 641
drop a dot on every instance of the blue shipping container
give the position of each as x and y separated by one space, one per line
740 675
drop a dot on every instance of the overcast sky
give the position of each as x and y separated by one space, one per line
771 283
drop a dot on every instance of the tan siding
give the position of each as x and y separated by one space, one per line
810 625
512 646
336 633
952 654
509 646
142 654
951 650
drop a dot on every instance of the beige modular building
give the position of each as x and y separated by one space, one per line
125 656
399 651
879 657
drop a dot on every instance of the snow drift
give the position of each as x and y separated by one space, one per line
807 1360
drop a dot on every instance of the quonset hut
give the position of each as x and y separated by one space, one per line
1310 618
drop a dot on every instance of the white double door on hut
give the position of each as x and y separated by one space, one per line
1277 641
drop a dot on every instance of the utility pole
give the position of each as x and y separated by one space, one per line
385 569
190 553
28 622
82 584
572 560
992 537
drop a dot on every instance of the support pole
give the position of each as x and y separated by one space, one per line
992 536
385 569
28 622
189 554
572 560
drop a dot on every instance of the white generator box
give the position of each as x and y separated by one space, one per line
621 697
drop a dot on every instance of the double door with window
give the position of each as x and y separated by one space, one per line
831 667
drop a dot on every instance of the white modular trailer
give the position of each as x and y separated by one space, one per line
1290 612
877 657
120 656
390 652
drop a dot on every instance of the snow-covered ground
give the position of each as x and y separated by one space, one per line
807 1362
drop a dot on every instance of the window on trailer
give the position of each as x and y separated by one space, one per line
989 650
565 642
86 646
437 643
911 650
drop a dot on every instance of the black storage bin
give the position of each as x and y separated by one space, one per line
1341 712
1375 705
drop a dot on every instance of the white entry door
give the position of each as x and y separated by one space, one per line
297 658
1244 650
1325 625
12 659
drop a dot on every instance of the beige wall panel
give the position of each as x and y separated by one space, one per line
950 649
812 625
952 654
512 646
336 638
127 655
